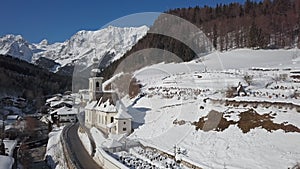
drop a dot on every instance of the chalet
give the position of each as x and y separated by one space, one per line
64 115
61 103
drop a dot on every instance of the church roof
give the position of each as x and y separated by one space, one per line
122 115
122 112
105 103
111 96
91 105
106 106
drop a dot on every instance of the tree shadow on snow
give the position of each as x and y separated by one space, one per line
138 115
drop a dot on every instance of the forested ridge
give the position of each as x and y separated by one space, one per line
264 24
268 24
20 78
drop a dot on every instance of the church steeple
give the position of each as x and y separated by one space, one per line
95 68
95 81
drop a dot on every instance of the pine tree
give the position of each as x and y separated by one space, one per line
215 36
253 35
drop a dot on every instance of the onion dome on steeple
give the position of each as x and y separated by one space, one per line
95 68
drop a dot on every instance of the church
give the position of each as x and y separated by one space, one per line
104 110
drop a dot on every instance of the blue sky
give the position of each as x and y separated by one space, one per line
58 20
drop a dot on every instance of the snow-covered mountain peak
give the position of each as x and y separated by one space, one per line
17 46
44 42
85 45
109 43
12 38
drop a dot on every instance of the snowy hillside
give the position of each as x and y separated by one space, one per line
84 45
188 105
16 46
111 42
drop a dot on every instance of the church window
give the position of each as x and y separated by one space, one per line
111 119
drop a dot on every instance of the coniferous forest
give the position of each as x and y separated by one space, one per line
265 24
20 78
268 24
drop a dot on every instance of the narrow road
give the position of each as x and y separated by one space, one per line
78 152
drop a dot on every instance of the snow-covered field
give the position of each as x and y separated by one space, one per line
177 97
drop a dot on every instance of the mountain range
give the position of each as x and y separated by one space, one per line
107 44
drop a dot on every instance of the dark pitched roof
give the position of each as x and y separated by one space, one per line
108 95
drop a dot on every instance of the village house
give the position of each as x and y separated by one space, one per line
64 115
104 109
61 109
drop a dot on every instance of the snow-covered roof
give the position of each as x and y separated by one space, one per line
55 98
67 111
106 106
91 105
122 115
9 147
59 95
55 103
106 103
122 112
118 137
12 117
64 111
6 161
68 97
20 99
111 143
